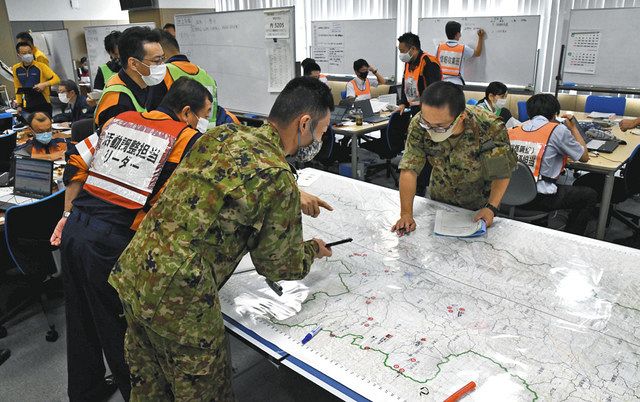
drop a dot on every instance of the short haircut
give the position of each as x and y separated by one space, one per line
39 116
25 37
23 44
543 105
495 88
307 61
111 41
83 59
443 93
132 41
169 25
70 86
410 39
311 67
302 95
186 92
358 64
168 41
452 29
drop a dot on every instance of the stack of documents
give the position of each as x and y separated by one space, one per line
458 224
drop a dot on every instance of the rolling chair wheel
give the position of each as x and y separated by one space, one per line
52 334
3 332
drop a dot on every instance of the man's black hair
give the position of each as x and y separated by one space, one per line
311 67
302 95
111 41
186 92
443 93
410 39
545 105
132 40
495 88
23 44
31 116
25 37
70 86
358 64
452 29
169 25
168 41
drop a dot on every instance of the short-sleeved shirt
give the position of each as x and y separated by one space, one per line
351 93
467 53
561 143
233 194
463 166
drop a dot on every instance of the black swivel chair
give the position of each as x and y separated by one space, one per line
521 190
389 145
7 145
81 129
625 186
28 228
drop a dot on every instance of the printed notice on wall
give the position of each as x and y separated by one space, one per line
277 24
280 64
328 49
582 52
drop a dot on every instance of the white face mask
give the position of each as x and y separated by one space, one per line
203 125
404 57
500 103
27 58
156 74
63 97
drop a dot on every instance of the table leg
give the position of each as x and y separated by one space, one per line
604 205
354 155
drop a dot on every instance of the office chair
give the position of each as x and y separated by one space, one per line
625 186
605 104
389 145
7 145
343 94
81 129
472 102
521 190
27 229
522 111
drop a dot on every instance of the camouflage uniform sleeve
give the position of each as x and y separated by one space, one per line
501 159
280 253
414 157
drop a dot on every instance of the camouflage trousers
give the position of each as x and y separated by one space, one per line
163 370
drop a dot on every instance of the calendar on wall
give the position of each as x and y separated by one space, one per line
582 52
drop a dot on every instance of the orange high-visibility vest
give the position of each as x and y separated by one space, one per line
529 146
450 58
411 78
129 156
365 91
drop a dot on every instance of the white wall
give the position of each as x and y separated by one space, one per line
49 10
185 3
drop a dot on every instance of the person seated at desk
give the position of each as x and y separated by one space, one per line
32 81
544 144
629 124
42 145
76 107
312 69
360 87
468 149
495 100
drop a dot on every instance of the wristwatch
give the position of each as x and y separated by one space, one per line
492 208
66 214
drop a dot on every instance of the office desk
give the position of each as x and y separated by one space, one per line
356 131
526 312
607 164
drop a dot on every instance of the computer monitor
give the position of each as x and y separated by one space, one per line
33 177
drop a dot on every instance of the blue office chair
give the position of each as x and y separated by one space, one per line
605 104
27 230
522 111
343 94
472 102
389 145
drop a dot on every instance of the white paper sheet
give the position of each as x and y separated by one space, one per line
458 224
582 52
280 70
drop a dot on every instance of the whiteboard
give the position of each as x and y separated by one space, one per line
55 45
335 45
509 52
233 48
94 36
614 67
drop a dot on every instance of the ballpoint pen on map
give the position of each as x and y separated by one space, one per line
274 286
337 243
310 335
456 396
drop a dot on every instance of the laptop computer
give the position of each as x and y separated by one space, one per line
604 146
367 112
338 114
33 179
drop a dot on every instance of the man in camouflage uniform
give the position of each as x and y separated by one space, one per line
233 194
468 148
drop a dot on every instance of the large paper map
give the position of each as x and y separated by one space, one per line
525 312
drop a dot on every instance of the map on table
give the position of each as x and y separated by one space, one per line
526 312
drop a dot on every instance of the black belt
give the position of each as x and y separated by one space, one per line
549 179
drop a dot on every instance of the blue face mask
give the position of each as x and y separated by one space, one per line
44 138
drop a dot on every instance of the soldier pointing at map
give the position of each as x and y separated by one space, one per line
233 194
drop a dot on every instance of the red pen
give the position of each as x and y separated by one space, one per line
456 396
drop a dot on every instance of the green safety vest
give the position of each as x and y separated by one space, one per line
106 73
123 89
203 78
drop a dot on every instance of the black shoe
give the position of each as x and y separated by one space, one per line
104 391
4 355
